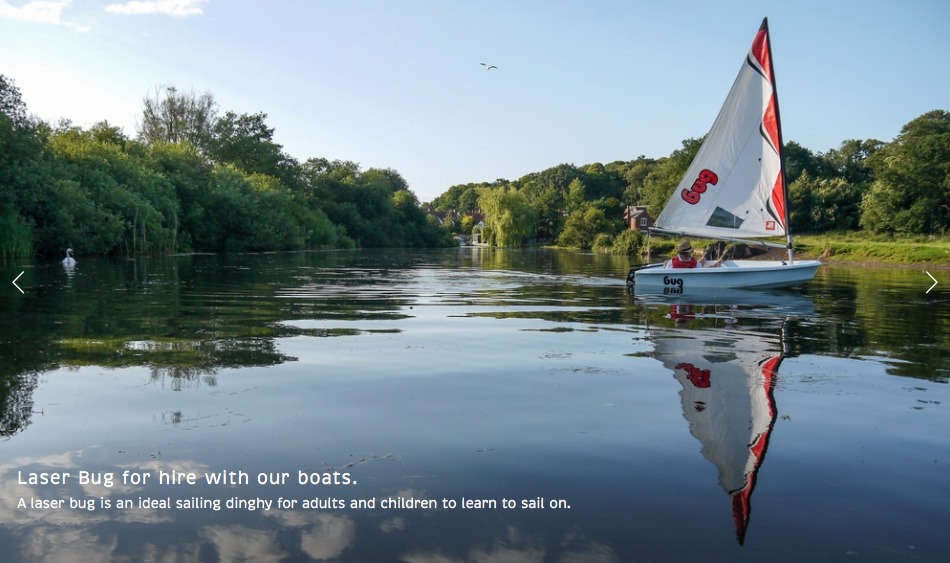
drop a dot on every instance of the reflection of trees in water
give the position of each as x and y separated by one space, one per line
26 347
181 361
879 312
16 402
178 378
182 318
177 364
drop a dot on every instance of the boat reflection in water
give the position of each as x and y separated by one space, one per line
728 377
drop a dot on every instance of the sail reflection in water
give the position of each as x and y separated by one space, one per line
728 380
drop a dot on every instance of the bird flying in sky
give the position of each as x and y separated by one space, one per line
488 67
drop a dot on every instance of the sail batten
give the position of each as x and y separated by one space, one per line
742 153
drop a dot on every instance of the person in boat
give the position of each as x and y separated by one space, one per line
684 258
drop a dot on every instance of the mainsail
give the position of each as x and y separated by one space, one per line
735 186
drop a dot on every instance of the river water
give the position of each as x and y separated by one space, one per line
467 405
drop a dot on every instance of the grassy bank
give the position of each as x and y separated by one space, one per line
856 247
864 247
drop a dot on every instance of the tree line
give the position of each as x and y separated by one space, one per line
191 180
900 188
196 180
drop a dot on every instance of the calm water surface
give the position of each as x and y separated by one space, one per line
578 422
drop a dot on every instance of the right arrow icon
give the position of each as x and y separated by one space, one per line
934 279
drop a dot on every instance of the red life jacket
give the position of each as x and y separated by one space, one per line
677 263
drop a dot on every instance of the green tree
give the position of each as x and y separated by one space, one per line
635 177
576 194
836 205
411 227
11 103
666 175
231 214
374 208
132 207
248 143
557 178
467 201
911 191
191 175
582 228
23 173
852 161
799 160
602 182
548 206
174 117
824 204
800 194
449 199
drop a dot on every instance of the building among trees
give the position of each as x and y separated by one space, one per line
638 218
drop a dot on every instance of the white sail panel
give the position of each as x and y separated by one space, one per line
734 187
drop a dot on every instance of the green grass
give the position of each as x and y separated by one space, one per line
850 247
866 247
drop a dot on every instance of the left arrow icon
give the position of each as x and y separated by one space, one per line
15 285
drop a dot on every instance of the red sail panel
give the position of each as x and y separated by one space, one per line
778 201
770 123
760 50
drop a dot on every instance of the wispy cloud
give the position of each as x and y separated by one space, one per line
40 12
180 8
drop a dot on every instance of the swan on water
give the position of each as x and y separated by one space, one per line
69 260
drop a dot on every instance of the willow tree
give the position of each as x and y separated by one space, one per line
509 218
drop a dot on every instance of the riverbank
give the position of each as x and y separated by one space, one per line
853 248
867 249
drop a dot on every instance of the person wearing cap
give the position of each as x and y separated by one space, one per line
684 257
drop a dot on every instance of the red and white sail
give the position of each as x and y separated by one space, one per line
735 185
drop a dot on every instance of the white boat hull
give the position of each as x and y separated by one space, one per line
732 274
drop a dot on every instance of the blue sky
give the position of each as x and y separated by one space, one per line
398 84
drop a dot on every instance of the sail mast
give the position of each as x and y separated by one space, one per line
781 142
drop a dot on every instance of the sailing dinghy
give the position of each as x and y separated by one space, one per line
735 189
